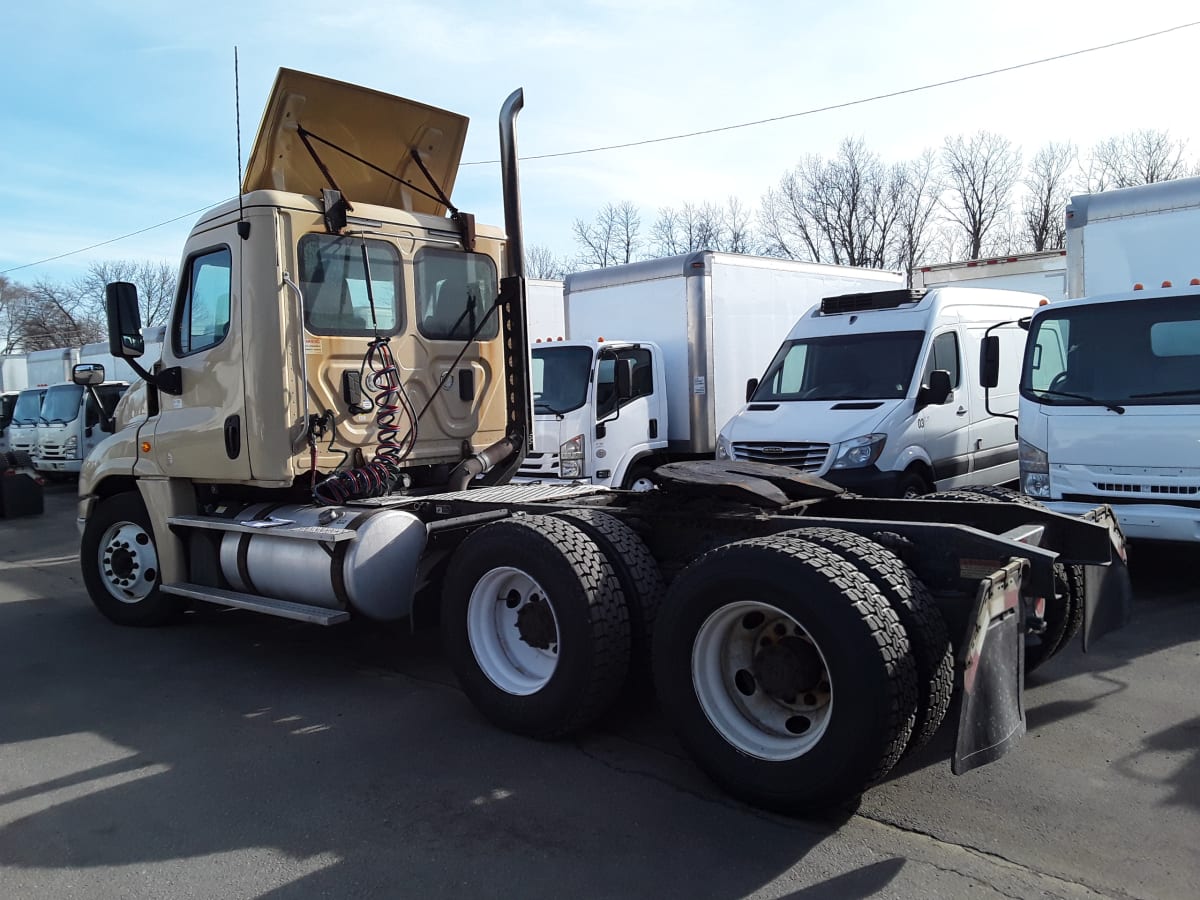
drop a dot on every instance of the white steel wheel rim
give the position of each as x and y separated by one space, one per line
642 484
128 562
747 658
502 601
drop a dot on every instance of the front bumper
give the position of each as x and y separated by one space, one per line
1144 521
86 505
869 481
50 464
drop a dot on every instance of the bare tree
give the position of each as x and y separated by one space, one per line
540 262
1138 157
13 300
696 227
845 210
980 174
612 238
739 234
155 282
56 315
1046 201
914 220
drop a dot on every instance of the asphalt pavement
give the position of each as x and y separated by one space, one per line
236 755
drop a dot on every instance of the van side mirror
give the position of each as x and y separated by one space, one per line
623 380
124 320
88 374
936 392
751 387
989 361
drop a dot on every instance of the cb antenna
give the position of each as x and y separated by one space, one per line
243 226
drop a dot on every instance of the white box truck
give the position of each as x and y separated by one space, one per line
880 393
691 330
47 367
547 319
13 378
1043 272
1110 388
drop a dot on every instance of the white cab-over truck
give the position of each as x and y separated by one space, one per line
1110 391
880 393
342 397
1041 272
692 330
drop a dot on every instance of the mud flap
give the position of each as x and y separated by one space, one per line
991 718
1108 594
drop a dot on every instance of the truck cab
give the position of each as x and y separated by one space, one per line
8 400
879 393
22 431
598 407
1110 406
73 421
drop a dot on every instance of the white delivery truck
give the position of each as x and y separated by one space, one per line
22 430
692 329
1043 272
1110 389
73 421
879 393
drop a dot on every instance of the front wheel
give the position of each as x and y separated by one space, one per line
119 558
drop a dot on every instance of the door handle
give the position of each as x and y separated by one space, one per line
961 411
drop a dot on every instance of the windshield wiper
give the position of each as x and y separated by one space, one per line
546 406
1183 393
1119 410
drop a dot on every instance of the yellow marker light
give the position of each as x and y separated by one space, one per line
145 446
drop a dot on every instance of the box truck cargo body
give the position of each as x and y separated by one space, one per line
1043 272
14 372
690 330
546 310
1110 390
47 367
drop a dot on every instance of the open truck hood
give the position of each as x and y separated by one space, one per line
376 127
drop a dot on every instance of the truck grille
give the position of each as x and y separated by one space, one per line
51 451
539 465
1175 490
804 456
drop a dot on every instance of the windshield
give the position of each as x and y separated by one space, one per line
29 404
1139 352
62 403
560 378
869 366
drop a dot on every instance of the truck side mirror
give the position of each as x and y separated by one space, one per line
88 374
936 392
623 379
751 387
989 361
124 321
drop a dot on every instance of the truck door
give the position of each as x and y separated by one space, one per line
630 426
944 429
994 437
202 432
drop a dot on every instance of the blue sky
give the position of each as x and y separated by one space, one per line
119 115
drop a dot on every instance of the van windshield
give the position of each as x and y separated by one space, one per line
62 403
871 366
1137 352
29 404
560 378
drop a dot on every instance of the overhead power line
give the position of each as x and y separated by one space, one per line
691 134
848 103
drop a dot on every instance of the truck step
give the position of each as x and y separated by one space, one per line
297 532
285 609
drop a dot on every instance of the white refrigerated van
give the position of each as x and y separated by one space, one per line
854 395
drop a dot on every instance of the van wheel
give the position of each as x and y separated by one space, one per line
535 625
911 485
640 578
1064 611
119 559
918 613
785 673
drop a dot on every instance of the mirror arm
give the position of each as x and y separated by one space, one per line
169 381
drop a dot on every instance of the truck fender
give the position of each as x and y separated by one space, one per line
640 455
912 454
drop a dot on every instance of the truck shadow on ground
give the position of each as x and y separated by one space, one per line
311 751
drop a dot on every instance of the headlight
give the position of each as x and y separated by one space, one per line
572 449
859 452
1035 470
571 468
724 448
70 444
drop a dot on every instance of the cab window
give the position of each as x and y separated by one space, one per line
204 313
943 354
335 273
606 384
456 295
